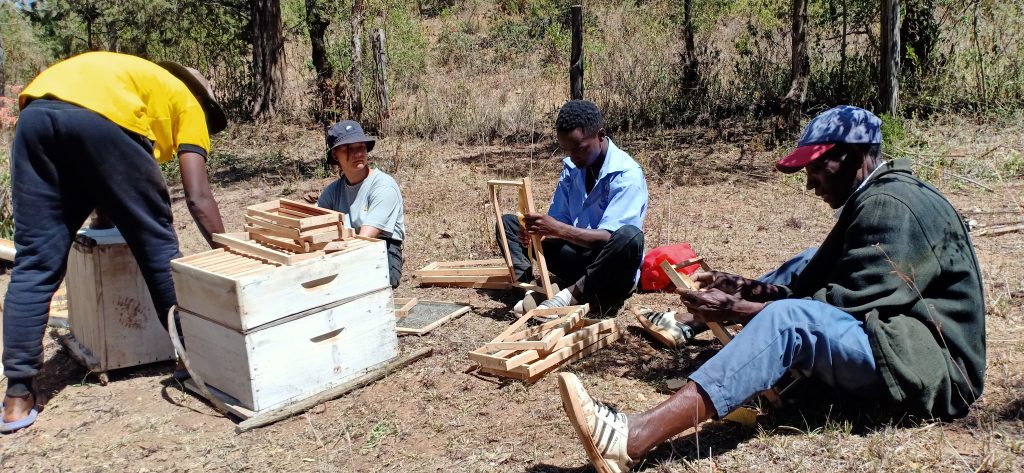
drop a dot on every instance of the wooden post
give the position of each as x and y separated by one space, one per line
576 58
890 48
800 66
3 60
356 76
380 79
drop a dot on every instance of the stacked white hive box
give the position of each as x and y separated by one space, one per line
268 334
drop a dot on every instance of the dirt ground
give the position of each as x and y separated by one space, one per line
721 196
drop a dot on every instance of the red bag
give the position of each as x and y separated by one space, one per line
652 278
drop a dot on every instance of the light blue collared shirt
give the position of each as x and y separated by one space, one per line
619 197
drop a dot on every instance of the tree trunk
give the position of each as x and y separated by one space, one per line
317 24
3 68
890 49
690 53
267 57
576 55
112 37
381 80
842 54
800 66
356 76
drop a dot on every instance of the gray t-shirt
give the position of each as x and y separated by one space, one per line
376 202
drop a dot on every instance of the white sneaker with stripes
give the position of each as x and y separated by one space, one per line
603 430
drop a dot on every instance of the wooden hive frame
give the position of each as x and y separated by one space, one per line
240 243
492 273
534 251
294 226
682 280
529 354
479 274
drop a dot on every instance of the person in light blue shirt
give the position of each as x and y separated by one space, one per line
593 231
369 198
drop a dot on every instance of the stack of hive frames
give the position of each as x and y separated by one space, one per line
294 226
527 354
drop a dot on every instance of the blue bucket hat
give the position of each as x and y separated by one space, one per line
346 132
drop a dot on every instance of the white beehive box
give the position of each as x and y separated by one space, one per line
109 307
268 335
242 292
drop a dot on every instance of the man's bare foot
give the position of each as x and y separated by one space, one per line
18 407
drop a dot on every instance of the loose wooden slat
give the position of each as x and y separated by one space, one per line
279 230
404 305
493 190
238 243
472 285
455 279
479 271
469 263
272 217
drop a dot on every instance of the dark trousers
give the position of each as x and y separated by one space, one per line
67 161
395 261
610 270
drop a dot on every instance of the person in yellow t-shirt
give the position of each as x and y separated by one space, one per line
90 136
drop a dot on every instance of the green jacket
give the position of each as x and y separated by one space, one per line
900 259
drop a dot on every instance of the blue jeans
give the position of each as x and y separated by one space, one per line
815 339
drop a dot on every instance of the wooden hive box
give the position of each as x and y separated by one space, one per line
268 334
113 321
295 357
243 292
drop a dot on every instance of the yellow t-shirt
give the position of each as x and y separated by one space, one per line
132 92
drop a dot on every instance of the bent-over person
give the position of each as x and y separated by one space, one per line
91 134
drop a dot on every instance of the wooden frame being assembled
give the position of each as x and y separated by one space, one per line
527 354
534 250
493 273
680 279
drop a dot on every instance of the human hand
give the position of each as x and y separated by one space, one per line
726 282
539 224
311 197
746 288
715 305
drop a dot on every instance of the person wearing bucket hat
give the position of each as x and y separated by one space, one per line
91 134
369 198
890 307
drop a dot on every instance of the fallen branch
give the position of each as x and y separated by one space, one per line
1001 230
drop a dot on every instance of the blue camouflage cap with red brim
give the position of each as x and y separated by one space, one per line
842 124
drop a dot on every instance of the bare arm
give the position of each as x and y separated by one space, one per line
368 231
546 225
199 196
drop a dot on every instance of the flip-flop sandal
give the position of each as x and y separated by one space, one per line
11 427
610 434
